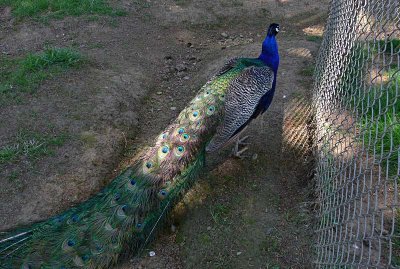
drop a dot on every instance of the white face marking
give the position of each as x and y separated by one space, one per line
277 29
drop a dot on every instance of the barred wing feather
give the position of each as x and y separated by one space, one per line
243 96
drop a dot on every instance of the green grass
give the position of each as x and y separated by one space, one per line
13 176
307 71
379 106
383 46
59 8
205 239
88 139
380 109
271 244
220 213
314 38
25 74
31 145
384 132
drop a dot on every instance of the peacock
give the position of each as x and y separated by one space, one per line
125 214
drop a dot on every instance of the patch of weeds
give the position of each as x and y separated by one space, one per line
88 139
270 244
180 238
254 187
31 145
205 238
113 22
13 176
249 220
314 38
58 9
295 217
270 265
76 116
8 154
25 74
307 71
220 213
274 199
120 13
93 18
14 179
227 178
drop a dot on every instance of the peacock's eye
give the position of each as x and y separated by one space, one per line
194 115
162 194
75 218
181 130
185 137
179 151
99 247
165 149
149 165
207 92
210 110
85 257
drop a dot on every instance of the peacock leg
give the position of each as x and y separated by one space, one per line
241 146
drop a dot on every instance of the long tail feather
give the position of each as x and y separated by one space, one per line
125 214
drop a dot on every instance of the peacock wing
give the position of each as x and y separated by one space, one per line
243 95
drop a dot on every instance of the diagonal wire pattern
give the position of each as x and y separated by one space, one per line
356 104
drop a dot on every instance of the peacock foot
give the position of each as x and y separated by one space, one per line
241 146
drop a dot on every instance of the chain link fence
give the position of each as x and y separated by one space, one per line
356 101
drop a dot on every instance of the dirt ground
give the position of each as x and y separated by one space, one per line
142 70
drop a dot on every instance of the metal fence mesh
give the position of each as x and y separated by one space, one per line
356 100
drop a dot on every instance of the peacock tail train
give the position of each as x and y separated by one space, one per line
124 215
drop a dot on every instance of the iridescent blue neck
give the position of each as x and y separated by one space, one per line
269 54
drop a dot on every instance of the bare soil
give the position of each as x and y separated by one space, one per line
141 71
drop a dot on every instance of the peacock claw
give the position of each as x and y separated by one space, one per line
240 147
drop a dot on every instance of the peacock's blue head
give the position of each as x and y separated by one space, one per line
273 29
269 54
